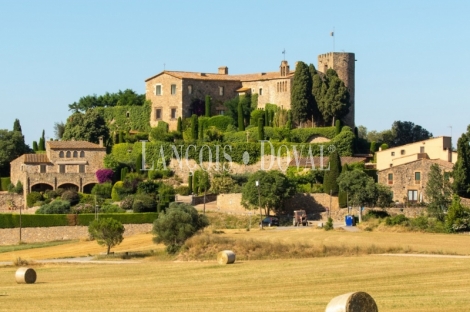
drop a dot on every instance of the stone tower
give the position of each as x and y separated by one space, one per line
344 64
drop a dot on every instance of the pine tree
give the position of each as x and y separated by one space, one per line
241 125
330 184
208 106
301 96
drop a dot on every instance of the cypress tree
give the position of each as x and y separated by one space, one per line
373 147
461 173
195 185
200 123
124 172
41 144
179 126
208 106
190 184
35 146
17 126
342 195
260 129
271 118
329 181
289 120
138 164
194 127
121 137
301 96
241 125
338 126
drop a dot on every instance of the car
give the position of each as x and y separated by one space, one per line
270 221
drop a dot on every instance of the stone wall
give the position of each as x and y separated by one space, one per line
6 198
271 93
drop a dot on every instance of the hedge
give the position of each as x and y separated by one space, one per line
220 122
117 118
302 135
13 220
4 182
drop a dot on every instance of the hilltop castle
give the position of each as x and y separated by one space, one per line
180 94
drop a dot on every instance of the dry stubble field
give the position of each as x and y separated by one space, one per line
396 283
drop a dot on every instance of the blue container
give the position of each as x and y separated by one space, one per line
349 220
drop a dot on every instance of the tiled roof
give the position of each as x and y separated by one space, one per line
73 145
442 163
306 162
35 158
211 76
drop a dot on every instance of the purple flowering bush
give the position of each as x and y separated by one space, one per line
104 175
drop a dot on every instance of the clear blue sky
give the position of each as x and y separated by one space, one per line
413 57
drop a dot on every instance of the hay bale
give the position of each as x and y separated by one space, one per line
226 257
25 276
352 302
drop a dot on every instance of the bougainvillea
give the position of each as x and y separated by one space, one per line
104 175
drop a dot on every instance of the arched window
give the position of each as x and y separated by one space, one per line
61 154
82 154
67 155
75 154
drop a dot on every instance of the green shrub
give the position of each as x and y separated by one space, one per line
127 202
255 116
396 220
71 196
55 207
33 198
52 194
147 187
111 208
375 214
144 203
83 208
116 192
4 182
329 224
303 135
183 190
102 190
221 122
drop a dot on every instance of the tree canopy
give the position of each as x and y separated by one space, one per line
334 102
12 146
405 132
121 98
177 224
361 188
438 192
274 188
86 127
107 232
461 172
301 96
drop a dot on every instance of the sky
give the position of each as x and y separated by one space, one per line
413 57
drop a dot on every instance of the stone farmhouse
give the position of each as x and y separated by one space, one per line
405 169
180 94
65 164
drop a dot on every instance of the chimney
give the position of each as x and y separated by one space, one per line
223 70
101 141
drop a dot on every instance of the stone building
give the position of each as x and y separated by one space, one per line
405 169
180 94
65 164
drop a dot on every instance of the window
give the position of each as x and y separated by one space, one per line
260 91
158 89
220 112
190 89
61 168
173 89
81 168
173 113
42 168
417 177
75 154
158 114
393 153
67 155
412 195
390 178
82 154
402 152
61 154
421 149
221 90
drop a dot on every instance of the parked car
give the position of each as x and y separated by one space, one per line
270 221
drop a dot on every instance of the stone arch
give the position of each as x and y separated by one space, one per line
68 186
87 188
67 154
75 154
41 187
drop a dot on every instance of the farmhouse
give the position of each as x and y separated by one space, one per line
180 94
65 164
405 168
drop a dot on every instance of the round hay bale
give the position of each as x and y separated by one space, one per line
352 302
25 276
226 257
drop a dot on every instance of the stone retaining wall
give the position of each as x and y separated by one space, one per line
6 198
49 234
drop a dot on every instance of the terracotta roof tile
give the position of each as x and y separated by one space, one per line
35 158
73 145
